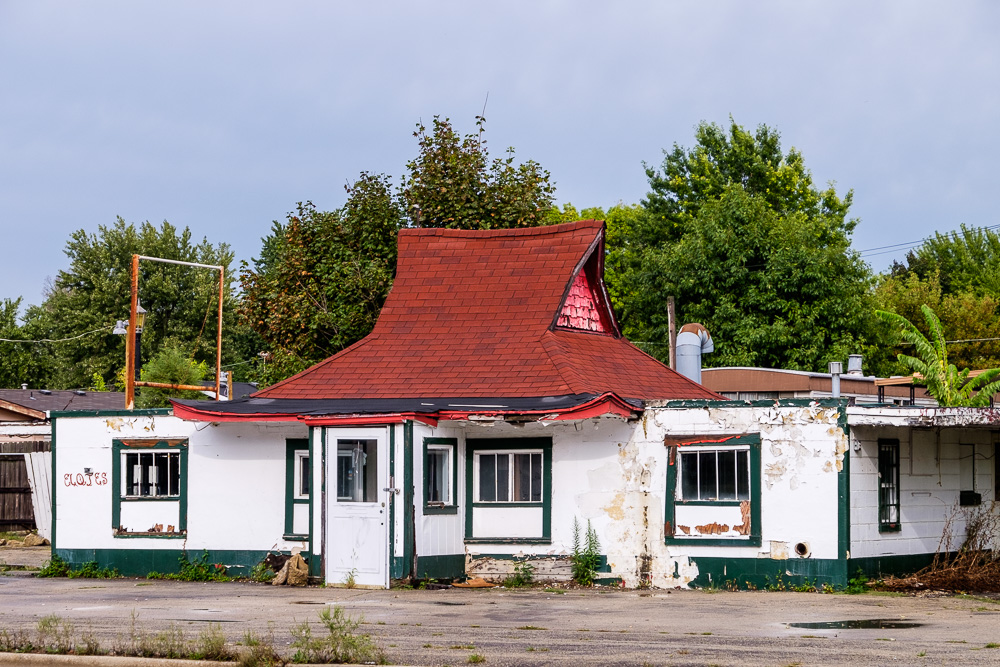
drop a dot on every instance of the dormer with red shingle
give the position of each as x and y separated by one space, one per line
497 313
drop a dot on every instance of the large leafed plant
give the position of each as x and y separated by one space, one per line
948 385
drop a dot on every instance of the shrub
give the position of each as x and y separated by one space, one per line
586 557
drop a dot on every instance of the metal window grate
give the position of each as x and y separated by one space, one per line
888 485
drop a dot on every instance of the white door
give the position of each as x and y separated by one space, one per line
357 533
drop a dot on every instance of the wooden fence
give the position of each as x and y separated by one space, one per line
16 508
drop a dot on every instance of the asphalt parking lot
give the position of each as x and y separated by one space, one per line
539 627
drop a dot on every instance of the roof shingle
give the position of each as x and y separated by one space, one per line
472 313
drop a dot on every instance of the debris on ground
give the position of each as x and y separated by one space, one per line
294 573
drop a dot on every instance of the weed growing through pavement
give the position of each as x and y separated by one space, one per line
340 642
524 574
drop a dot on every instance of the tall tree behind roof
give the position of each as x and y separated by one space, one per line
736 231
322 277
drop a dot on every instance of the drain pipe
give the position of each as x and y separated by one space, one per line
836 368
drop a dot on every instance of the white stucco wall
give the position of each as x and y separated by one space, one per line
930 482
613 473
235 489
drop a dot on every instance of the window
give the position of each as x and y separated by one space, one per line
149 482
152 474
356 471
967 476
298 474
440 476
713 490
509 484
888 485
715 474
509 477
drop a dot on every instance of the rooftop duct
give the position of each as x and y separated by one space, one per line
692 342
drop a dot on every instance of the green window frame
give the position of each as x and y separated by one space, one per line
431 447
296 456
119 450
675 495
509 446
888 486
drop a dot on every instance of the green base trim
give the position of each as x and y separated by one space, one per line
508 540
431 510
876 567
140 562
441 567
742 573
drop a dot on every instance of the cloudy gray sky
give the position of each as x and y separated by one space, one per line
220 116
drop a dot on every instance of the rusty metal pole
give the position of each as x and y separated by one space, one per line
130 339
672 329
218 346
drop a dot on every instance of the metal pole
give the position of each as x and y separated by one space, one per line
672 329
218 346
130 340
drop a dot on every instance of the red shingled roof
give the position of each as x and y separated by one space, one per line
483 314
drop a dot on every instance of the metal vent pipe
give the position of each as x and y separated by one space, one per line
692 342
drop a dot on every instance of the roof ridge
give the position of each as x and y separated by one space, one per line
497 233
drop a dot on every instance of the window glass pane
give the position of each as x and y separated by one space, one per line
487 477
536 478
160 474
133 475
438 475
743 475
689 476
707 482
727 475
304 476
503 478
357 468
522 478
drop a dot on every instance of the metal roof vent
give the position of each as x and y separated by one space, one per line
854 364
692 342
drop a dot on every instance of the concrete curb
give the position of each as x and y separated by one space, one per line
101 660
114 661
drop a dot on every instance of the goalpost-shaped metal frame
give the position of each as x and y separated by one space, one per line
130 382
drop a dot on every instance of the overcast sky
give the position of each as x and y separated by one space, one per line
220 116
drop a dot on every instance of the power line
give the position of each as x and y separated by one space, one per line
50 340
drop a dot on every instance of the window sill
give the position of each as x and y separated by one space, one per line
150 499
167 536
894 528
752 541
508 540
291 537
440 509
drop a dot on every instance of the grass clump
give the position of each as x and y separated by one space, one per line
524 574
54 567
57 567
195 570
339 643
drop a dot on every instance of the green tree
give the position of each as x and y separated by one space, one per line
736 231
453 183
965 261
94 292
692 177
322 277
170 365
971 319
19 362
949 386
